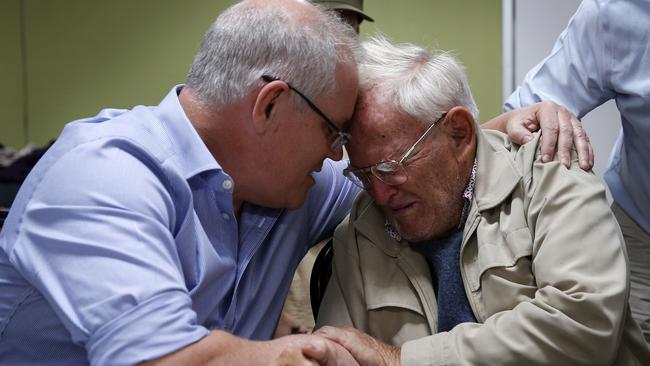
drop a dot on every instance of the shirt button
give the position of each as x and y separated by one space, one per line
227 184
225 216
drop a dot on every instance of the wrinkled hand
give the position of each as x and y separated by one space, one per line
560 128
293 356
366 350
308 350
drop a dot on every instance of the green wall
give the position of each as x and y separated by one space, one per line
80 56
471 28
85 55
11 75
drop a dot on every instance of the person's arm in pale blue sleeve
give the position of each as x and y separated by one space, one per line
96 240
574 74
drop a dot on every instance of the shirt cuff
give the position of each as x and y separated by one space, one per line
159 326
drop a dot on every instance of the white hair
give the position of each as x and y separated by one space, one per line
425 83
251 38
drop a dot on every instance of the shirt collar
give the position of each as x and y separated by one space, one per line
468 195
190 156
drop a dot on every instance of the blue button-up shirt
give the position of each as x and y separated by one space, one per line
122 244
604 53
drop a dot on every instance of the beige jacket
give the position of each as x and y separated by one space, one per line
542 261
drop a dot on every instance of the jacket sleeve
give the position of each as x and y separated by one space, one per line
577 314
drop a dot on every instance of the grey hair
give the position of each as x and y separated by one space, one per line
250 39
425 83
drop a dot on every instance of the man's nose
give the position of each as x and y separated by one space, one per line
381 192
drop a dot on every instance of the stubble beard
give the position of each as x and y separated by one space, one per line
436 222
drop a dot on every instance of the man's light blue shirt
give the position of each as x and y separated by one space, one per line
122 245
604 53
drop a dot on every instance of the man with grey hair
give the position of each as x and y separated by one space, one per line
463 249
168 234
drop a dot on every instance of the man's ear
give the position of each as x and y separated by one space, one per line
459 124
265 108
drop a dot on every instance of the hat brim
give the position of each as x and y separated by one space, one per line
338 6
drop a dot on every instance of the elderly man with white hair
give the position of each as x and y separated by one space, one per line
464 248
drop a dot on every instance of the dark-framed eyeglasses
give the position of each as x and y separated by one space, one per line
390 172
339 137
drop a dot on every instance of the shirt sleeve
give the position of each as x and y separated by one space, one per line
575 74
96 240
331 199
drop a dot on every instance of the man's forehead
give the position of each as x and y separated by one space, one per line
345 97
379 129
374 141
377 117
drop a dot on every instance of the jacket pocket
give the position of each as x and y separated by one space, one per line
395 296
394 325
501 268
395 310
396 318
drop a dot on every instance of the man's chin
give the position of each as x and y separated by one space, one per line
291 201
298 196
411 233
415 237
294 206
296 200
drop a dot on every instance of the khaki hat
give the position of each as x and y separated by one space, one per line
352 5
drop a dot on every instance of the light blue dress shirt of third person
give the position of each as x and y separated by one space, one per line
603 54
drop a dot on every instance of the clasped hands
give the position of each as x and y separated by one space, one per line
331 346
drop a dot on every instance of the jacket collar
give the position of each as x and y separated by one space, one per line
368 219
497 175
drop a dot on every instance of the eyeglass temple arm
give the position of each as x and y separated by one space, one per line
409 151
269 79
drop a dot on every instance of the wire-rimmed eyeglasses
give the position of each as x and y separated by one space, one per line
339 137
390 172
